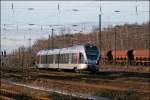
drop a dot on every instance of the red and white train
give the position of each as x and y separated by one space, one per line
77 58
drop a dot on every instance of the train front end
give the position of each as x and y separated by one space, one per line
93 57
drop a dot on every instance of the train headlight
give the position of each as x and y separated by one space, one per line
97 62
86 62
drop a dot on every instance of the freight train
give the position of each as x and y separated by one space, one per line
129 57
77 58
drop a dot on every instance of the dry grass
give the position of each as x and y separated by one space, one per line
18 92
119 68
94 89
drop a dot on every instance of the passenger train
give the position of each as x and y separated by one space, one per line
77 58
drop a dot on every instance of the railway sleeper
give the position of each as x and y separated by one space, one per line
12 94
18 96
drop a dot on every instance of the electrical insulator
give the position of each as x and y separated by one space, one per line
4 53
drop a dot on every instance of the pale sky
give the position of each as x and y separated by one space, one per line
17 15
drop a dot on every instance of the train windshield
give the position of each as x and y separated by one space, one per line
92 52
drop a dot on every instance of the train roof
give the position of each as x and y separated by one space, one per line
141 53
72 49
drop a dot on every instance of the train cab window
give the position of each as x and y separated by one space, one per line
92 52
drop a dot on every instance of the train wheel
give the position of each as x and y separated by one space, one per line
138 64
59 70
148 63
145 63
141 63
75 69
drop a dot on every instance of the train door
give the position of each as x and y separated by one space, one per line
109 56
81 58
130 57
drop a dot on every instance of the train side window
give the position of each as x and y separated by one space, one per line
50 59
43 59
56 58
40 59
46 59
70 56
60 58
66 58
63 58
73 58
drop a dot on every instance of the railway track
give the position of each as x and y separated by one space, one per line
73 88
85 77
11 93
85 82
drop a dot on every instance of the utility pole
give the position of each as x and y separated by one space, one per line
30 48
49 41
22 62
115 43
30 56
100 32
99 43
52 39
